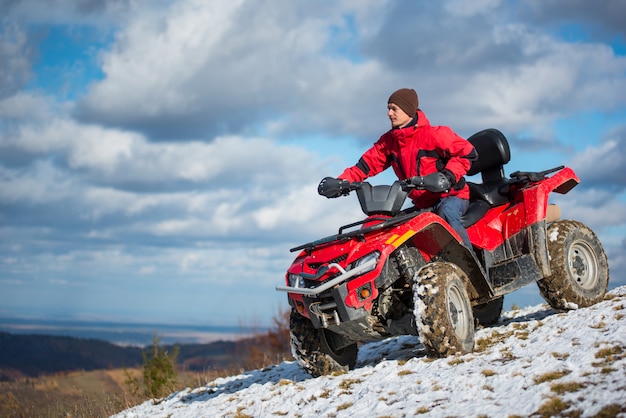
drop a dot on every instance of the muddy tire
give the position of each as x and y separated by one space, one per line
580 270
314 349
442 310
488 313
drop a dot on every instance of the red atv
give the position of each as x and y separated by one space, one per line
406 271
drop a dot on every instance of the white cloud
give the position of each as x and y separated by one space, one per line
177 160
92 12
115 155
229 65
42 183
603 165
15 55
467 9
158 54
302 208
599 209
555 81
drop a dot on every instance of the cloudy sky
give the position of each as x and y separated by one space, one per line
159 158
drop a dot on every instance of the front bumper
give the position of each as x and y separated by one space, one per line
342 277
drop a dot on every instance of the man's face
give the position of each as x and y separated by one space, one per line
397 116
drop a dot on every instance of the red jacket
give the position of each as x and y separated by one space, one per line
418 150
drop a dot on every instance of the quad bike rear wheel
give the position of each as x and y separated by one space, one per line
442 310
580 270
488 313
316 350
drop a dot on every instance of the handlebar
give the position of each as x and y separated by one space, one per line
534 176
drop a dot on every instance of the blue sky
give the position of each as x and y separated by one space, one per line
159 158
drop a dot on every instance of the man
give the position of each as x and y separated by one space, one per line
431 156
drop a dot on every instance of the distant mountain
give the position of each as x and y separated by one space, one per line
33 355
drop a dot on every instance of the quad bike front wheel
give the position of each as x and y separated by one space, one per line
442 310
317 350
580 270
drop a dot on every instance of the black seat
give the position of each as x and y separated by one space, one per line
475 211
493 153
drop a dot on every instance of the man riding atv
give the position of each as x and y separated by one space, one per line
412 271
431 156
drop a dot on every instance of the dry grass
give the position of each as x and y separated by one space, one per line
549 376
455 360
347 383
553 407
97 393
610 411
344 406
607 356
86 394
482 344
561 388
560 356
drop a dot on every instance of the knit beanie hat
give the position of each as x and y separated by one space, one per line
405 99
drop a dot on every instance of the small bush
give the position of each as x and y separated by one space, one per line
159 372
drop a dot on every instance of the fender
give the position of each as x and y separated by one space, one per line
536 197
529 206
433 237
428 232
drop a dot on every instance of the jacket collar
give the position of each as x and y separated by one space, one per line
419 117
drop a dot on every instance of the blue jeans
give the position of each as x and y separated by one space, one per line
451 209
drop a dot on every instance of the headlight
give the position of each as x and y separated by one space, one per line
363 260
296 281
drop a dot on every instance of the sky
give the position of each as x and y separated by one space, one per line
158 159
534 363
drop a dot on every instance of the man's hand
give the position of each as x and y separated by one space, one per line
435 182
332 187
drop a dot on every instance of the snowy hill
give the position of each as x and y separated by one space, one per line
535 362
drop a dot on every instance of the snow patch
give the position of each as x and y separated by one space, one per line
570 305
554 235
518 366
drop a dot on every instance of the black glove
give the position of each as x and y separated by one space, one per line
435 182
450 176
332 187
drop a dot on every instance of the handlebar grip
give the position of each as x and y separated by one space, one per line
331 187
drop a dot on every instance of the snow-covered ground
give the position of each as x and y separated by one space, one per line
535 362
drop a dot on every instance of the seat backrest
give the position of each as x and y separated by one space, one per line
493 153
